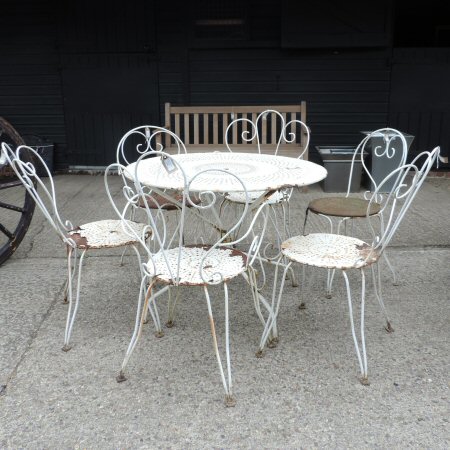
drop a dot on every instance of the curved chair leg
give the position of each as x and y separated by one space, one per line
152 308
139 322
171 307
287 234
122 256
287 205
72 310
330 272
125 250
302 304
272 214
261 275
330 278
66 292
270 333
377 287
361 359
227 381
395 281
280 238
304 222
71 271
293 278
250 277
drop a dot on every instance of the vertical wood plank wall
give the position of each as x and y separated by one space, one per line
346 90
30 83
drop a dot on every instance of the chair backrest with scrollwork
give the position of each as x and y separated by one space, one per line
386 145
43 193
145 139
169 236
409 178
269 131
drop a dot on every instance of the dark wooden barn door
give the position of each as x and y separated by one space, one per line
109 75
420 97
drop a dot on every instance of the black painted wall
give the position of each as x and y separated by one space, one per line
82 73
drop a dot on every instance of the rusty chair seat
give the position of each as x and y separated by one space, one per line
198 265
107 234
343 207
330 251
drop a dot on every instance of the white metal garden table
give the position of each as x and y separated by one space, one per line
261 174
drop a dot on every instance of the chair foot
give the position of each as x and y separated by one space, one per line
272 343
121 377
328 295
66 348
230 401
65 301
276 340
159 334
364 381
388 327
302 306
295 284
259 354
170 324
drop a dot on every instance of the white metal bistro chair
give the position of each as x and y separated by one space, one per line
346 207
145 139
173 262
78 239
274 128
345 253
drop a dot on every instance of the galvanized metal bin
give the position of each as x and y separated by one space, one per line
338 160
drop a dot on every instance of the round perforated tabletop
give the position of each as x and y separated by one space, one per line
259 172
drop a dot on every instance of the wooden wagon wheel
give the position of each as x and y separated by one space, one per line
16 204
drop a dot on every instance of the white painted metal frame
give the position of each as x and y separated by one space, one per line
93 235
334 251
171 262
141 140
256 132
387 151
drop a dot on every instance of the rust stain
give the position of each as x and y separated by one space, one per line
80 241
213 332
234 252
367 253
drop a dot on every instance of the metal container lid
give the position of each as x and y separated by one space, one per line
389 134
336 152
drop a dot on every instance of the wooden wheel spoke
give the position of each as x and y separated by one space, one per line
8 233
12 207
13 231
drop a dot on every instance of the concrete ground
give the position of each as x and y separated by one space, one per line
302 394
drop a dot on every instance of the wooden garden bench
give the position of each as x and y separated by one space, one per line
202 128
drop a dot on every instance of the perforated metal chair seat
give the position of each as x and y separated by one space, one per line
228 262
239 197
105 234
330 251
343 207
